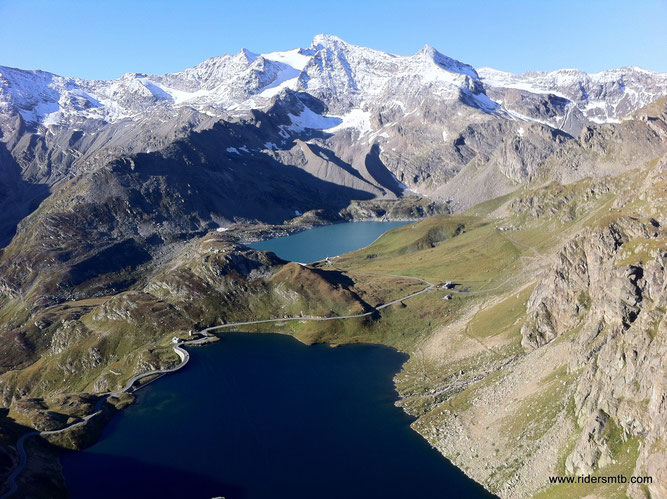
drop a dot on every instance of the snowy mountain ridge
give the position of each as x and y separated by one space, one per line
603 97
343 76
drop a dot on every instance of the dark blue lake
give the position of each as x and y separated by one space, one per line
329 240
264 416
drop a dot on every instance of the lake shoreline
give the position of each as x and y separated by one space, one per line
345 349
296 230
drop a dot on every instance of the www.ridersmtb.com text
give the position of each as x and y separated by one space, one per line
601 479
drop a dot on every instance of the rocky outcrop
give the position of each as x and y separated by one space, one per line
567 202
578 277
613 306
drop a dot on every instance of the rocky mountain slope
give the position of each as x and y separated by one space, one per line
371 115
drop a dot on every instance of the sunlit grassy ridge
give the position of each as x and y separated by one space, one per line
474 254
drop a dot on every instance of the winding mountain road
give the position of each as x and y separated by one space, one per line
185 357
20 444
429 287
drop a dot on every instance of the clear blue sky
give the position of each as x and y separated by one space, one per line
106 38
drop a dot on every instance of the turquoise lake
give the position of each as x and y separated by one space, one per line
265 416
329 240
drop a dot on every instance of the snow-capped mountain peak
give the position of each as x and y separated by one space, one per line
248 55
447 63
322 40
343 76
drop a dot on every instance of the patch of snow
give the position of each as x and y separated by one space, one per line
233 149
222 229
296 58
530 82
180 97
297 213
273 90
244 149
155 89
40 111
52 118
600 121
357 118
309 119
513 115
521 131
595 105
284 74
270 145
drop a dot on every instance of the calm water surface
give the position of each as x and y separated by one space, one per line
264 416
330 240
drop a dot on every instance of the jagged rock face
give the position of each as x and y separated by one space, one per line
564 294
584 277
556 110
617 311
572 97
